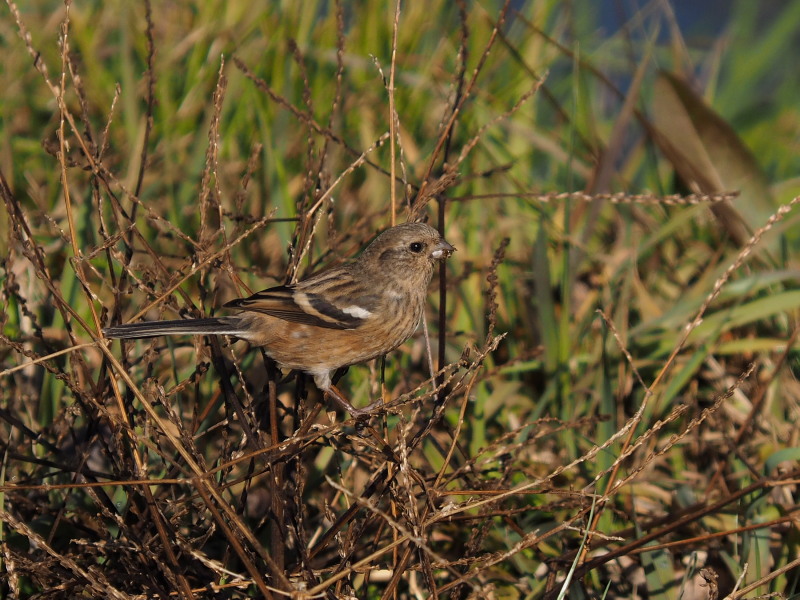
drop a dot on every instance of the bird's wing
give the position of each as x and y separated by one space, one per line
322 301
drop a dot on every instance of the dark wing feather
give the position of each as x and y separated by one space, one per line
289 303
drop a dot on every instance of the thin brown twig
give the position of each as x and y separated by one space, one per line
393 117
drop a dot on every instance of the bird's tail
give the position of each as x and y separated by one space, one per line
146 329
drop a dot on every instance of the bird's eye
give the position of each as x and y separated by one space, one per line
416 247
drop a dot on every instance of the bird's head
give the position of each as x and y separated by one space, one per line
406 253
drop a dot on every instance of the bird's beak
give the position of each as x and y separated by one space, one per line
442 250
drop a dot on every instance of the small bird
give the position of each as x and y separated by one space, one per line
336 318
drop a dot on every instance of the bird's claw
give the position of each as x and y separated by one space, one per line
360 414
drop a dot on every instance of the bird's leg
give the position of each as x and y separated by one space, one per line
334 394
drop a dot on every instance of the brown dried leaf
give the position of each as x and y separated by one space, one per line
709 156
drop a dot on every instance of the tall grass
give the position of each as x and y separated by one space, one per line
614 391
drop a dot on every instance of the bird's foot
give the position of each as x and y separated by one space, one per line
360 414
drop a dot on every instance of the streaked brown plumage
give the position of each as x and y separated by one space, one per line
339 317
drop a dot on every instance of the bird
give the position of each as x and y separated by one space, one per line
342 316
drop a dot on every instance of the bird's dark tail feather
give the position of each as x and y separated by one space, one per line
216 325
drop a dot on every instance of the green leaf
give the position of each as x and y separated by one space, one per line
786 454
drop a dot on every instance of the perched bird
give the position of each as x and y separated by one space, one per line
339 317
